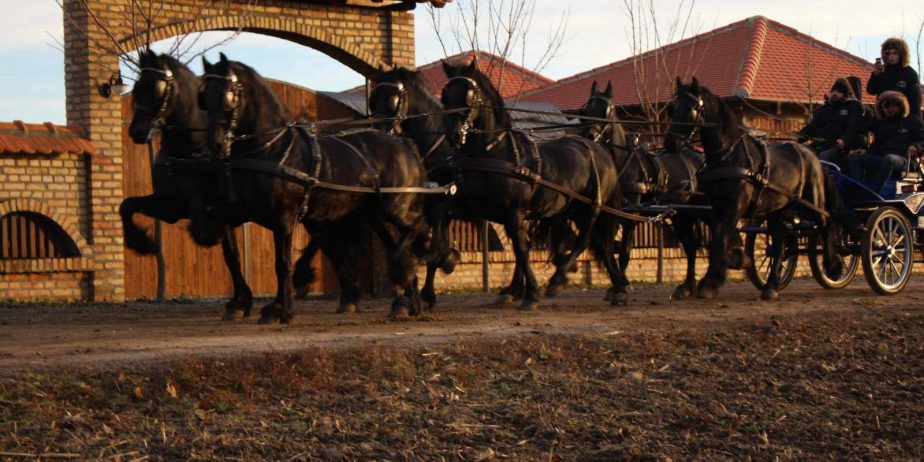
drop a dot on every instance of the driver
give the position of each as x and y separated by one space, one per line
897 138
836 126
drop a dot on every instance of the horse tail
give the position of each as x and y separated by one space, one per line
556 234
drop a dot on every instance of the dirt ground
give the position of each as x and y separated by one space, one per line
816 374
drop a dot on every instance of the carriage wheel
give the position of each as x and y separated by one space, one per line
888 251
760 271
851 265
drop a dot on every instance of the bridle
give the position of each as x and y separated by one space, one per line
474 102
596 130
230 103
397 103
699 118
164 90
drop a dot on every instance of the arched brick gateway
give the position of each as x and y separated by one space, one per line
361 34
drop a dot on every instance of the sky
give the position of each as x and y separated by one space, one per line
597 33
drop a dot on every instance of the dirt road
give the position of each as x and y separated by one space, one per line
53 335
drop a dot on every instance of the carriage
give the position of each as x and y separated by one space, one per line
891 221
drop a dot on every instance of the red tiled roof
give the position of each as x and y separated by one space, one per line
42 139
756 58
509 78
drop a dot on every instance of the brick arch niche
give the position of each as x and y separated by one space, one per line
362 34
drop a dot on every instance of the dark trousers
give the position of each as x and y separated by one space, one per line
883 167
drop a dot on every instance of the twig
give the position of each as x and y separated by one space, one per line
41 455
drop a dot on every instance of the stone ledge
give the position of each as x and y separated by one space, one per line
46 265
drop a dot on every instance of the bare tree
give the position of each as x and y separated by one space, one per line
648 36
499 27
143 17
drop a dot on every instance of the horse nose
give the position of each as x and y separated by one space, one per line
138 135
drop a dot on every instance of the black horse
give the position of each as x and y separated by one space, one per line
165 101
647 178
407 108
283 175
507 178
743 178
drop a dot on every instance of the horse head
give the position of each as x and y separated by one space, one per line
389 100
688 113
164 92
600 106
238 102
478 102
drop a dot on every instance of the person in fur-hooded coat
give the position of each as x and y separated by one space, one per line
897 138
896 74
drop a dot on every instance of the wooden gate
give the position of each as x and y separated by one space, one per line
194 271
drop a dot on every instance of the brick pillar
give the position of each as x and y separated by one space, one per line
85 67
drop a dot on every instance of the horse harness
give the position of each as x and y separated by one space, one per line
758 175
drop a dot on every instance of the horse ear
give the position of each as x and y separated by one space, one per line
679 82
470 69
447 68
206 65
609 89
694 84
593 88
222 58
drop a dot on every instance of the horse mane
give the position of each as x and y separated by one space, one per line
413 81
729 120
501 116
256 88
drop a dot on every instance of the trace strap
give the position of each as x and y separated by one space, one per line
523 173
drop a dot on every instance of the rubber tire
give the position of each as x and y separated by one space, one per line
851 266
872 223
788 265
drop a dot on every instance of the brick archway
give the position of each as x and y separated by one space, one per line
67 223
354 32
345 49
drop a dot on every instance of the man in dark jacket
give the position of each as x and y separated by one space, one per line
897 136
894 73
836 126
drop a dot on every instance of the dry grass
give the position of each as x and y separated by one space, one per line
802 388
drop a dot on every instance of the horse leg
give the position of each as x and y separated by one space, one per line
619 294
303 274
559 279
398 234
602 241
280 310
722 228
158 207
684 229
242 301
775 249
516 231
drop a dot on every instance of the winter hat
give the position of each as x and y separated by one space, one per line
843 86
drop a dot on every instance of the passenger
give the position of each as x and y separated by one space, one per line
836 126
893 72
897 138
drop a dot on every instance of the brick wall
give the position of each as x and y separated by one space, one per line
360 38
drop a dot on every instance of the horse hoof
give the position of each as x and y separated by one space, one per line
836 268
273 313
449 262
554 290
399 313
233 314
769 294
349 308
681 293
503 300
620 299
529 305
707 293
301 292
